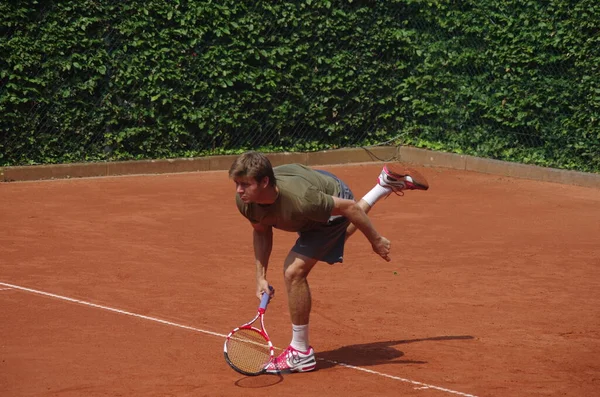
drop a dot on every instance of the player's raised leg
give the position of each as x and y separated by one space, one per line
392 179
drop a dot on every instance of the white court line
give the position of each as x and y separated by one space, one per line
420 385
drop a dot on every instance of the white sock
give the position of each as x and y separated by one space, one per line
377 193
300 337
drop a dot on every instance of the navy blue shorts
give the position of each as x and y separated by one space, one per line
326 243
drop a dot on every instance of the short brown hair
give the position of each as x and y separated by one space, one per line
253 164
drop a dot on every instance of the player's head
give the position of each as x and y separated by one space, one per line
254 165
252 173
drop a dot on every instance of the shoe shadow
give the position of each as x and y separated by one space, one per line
375 353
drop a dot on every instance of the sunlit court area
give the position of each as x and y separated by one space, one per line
128 286
138 195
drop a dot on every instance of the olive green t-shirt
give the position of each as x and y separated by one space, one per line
304 201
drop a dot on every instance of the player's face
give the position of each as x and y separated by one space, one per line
249 190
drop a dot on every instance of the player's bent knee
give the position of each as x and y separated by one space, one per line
294 274
297 267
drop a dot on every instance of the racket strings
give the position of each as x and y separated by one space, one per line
248 350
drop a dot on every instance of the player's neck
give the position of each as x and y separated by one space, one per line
269 195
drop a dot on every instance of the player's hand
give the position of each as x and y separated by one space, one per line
262 287
382 247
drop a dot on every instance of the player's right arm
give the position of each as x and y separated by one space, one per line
351 210
262 238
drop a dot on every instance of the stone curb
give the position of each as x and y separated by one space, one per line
421 157
496 167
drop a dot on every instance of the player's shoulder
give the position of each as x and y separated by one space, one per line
293 176
291 169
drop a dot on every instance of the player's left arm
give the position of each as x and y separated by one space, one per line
351 210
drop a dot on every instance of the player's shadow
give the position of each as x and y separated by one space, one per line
375 353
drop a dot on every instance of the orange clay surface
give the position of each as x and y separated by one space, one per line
493 290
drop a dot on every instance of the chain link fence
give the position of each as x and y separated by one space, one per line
102 81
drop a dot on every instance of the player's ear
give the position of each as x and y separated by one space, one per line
264 182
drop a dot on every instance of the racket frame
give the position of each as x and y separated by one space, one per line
262 331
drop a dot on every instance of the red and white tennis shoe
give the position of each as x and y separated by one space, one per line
400 179
292 360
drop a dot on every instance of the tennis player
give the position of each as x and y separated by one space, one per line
322 210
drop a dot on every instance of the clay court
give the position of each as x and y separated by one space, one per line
126 286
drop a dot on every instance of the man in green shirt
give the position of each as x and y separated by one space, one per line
322 210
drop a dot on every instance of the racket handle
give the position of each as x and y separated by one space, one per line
264 300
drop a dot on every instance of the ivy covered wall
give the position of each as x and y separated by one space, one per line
85 80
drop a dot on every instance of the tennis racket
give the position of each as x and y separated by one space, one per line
249 349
